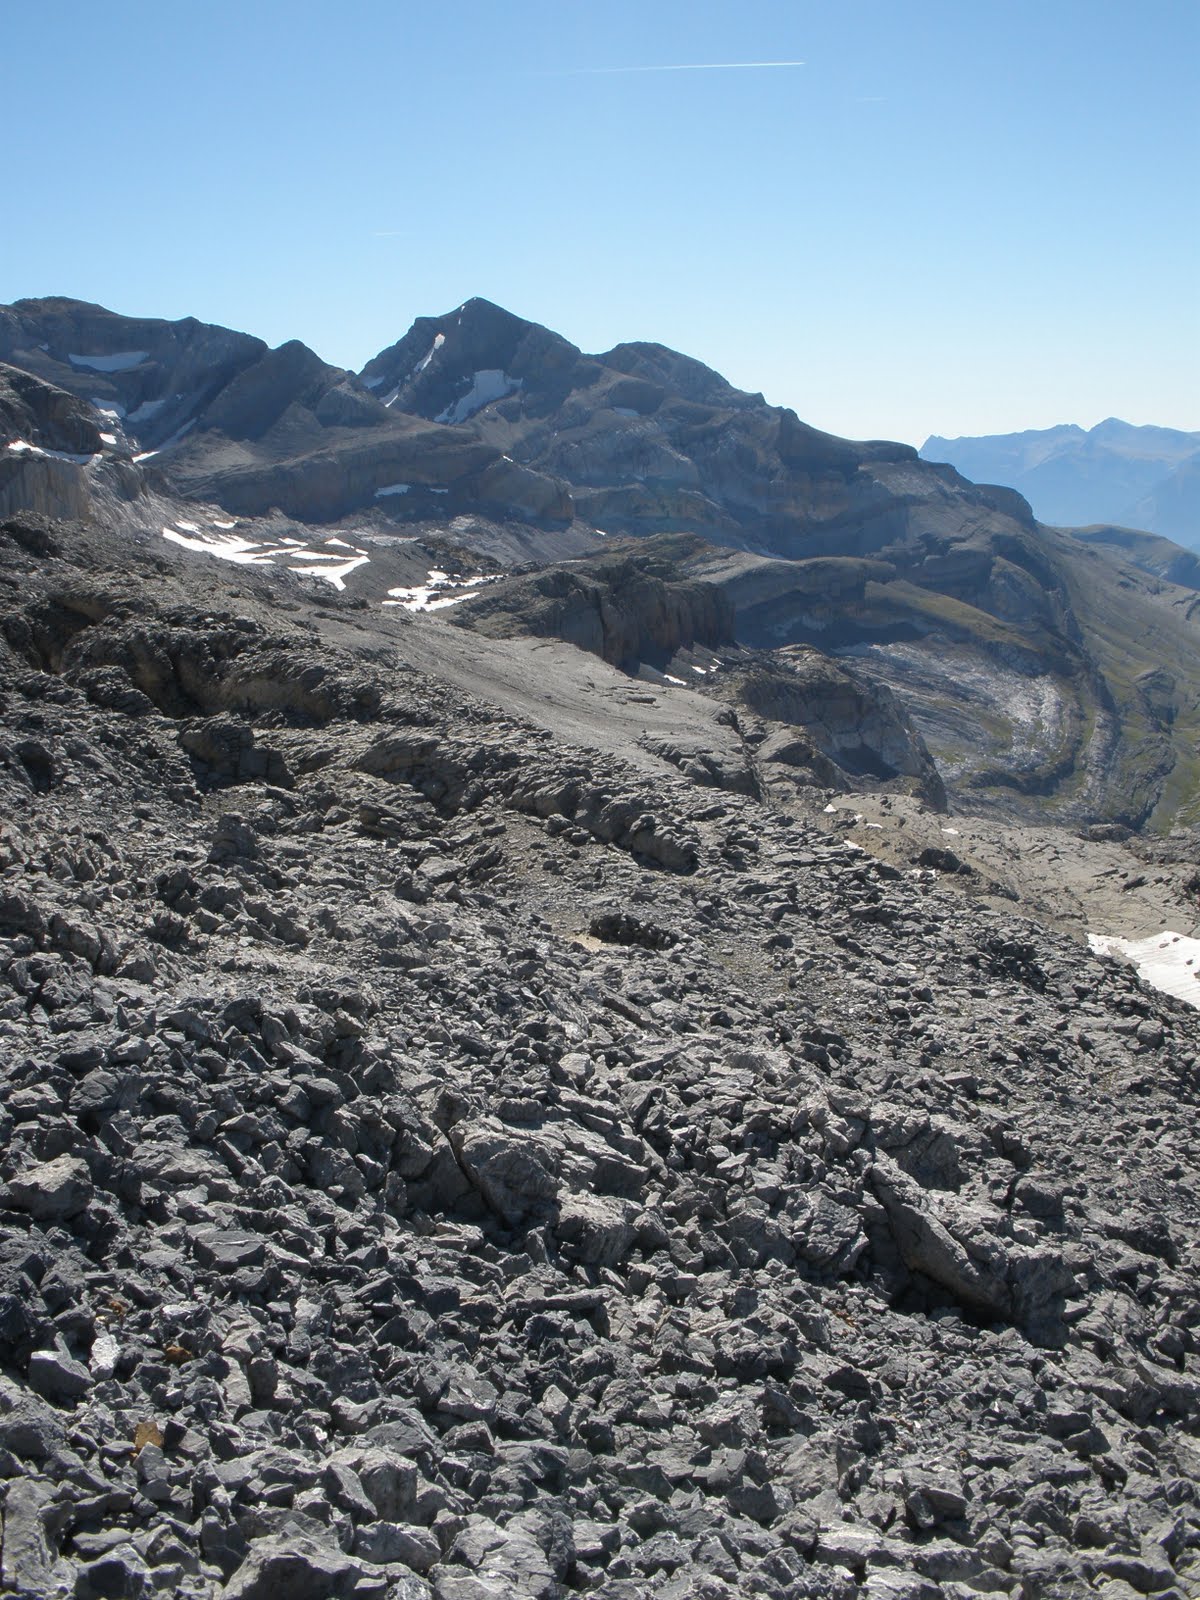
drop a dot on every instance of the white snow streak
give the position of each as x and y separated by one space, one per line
23 447
147 409
439 340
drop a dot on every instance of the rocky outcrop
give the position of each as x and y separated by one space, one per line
814 720
830 726
46 439
631 607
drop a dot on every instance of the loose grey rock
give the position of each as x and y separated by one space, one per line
52 1191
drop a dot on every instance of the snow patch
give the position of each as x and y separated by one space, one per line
1167 961
439 340
335 575
327 564
112 409
625 411
437 592
488 385
167 443
245 552
392 488
24 447
678 681
122 361
147 409
108 438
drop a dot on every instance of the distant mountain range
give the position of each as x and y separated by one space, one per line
1046 673
1145 478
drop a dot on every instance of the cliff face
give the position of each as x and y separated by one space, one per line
825 723
805 718
47 438
629 608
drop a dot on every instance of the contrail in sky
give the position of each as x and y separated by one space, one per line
688 66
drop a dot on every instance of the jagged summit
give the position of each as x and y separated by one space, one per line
449 367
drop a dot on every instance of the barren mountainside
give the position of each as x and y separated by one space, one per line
1048 675
549 1042
451 1148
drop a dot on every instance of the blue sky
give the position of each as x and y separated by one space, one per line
953 218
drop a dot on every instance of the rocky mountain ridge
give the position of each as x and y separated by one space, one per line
217 415
1046 676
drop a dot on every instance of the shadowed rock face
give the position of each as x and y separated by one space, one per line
628 608
828 724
